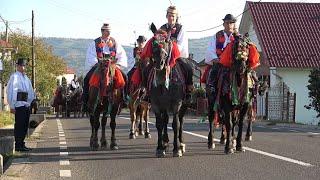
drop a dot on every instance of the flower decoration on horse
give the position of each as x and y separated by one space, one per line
241 50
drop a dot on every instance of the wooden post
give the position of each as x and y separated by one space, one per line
294 107
33 55
266 107
288 105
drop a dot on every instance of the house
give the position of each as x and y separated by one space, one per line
68 74
287 35
6 49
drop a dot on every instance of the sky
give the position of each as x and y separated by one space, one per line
128 18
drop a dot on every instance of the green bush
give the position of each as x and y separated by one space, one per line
314 91
6 118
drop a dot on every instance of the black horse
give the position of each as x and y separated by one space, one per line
105 99
229 91
167 92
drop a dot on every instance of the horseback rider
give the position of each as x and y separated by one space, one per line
176 33
74 83
97 49
217 44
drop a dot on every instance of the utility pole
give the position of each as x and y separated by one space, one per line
33 55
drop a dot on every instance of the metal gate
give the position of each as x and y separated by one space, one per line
280 103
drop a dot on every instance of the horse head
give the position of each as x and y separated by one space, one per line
240 53
160 50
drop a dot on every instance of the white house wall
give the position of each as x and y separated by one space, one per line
68 77
297 81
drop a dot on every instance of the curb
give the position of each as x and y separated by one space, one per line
17 166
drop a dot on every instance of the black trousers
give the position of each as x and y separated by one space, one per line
86 84
22 117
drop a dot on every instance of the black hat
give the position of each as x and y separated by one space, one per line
141 39
229 17
21 62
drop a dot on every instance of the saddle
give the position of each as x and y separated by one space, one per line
107 76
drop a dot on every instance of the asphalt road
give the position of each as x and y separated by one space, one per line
62 152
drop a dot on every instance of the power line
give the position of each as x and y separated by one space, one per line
4 21
222 23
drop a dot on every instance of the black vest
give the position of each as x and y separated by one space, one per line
173 31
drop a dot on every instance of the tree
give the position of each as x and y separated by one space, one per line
47 65
314 91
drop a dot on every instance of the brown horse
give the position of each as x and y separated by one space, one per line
59 102
105 99
138 106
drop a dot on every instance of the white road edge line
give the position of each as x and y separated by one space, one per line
253 150
64 162
65 173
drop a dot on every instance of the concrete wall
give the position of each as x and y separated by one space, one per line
297 80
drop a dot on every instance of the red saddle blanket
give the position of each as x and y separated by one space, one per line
118 80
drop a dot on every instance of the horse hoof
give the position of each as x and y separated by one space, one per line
141 133
114 146
240 149
147 135
160 153
248 138
104 145
223 141
228 151
211 146
177 153
166 146
132 136
183 147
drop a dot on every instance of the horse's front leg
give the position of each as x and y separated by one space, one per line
177 152
182 112
95 124
242 115
160 152
113 125
249 128
211 144
234 118
165 139
103 139
133 117
228 124
145 110
140 112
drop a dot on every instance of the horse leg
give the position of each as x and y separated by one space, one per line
95 124
165 118
146 120
113 114
133 120
233 126
249 128
249 131
211 144
228 123
160 152
177 152
182 112
103 140
242 114
140 120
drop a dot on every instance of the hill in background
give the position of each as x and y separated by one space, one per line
74 50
